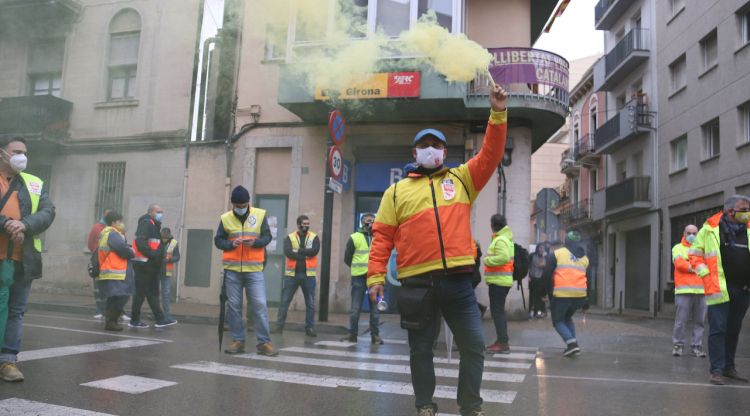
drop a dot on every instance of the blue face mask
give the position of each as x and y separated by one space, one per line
690 238
158 217
240 211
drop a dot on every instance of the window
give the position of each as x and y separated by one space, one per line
109 188
638 164
45 67
443 11
678 153
711 139
124 40
743 19
709 51
593 120
576 132
393 16
744 127
620 101
678 74
593 182
675 6
621 171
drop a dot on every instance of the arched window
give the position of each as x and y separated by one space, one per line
593 114
122 63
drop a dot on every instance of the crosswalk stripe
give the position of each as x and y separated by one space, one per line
82 349
21 407
83 331
376 386
396 357
338 344
382 368
511 356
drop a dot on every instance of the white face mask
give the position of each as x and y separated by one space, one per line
430 157
240 211
690 238
17 162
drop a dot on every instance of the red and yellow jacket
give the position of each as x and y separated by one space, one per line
685 279
427 218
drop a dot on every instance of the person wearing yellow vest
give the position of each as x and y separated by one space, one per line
115 271
301 250
565 278
356 256
689 298
147 264
720 255
171 256
242 236
498 273
26 213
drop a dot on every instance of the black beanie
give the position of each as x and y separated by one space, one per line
240 195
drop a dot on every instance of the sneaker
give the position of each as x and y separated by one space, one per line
277 329
498 348
531 315
310 332
267 349
376 340
677 350
235 347
717 379
734 375
98 317
571 349
125 318
698 351
9 372
349 338
476 413
168 322
137 324
540 314
428 410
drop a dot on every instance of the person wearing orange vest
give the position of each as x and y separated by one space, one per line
498 272
426 216
171 252
301 249
565 277
147 263
242 236
115 272
720 255
689 298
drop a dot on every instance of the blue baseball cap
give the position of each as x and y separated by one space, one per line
430 132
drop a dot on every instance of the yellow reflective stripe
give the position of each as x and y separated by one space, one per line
361 251
710 254
695 252
359 264
498 274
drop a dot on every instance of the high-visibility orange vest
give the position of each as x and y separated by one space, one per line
169 268
153 244
111 265
570 275
686 281
243 258
311 263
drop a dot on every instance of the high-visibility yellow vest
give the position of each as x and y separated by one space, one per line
361 254
243 258
570 275
499 261
111 265
169 268
311 263
34 186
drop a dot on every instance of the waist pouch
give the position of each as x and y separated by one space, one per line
416 301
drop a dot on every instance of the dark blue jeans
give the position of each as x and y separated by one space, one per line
562 310
359 285
724 325
497 308
454 298
288 289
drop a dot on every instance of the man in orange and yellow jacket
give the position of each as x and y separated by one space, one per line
689 297
426 217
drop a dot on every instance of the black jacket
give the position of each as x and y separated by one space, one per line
302 254
148 229
35 224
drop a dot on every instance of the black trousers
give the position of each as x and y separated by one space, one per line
536 293
146 287
115 304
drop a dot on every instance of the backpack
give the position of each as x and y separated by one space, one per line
94 264
520 262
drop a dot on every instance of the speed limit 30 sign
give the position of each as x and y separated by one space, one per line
335 162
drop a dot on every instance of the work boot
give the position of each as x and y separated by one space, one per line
717 379
9 372
235 347
267 349
572 349
428 410
376 340
734 375
677 350
498 348
310 332
698 351
111 321
349 338
277 329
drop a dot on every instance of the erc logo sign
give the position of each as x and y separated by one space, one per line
380 85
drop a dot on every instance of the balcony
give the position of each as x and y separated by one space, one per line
631 121
43 116
631 51
568 165
630 195
607 12
584 151
576 213
22 15
541 104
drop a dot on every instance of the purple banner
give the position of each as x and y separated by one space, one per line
529 66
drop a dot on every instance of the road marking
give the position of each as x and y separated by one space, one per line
20 407
83 331
130 384
338 344
318 380
381 368
396 341
627 380
512 356
67 318
82 349
397 357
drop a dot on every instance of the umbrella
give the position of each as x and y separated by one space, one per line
523 297
222 310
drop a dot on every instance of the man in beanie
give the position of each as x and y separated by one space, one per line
242 235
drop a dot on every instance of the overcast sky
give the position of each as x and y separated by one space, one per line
573 35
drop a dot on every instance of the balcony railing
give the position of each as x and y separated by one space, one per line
35 115
630 193
481 87
576 212
635 40
606 12
630 121
567 163
584 147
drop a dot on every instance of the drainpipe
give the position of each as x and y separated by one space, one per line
204 86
